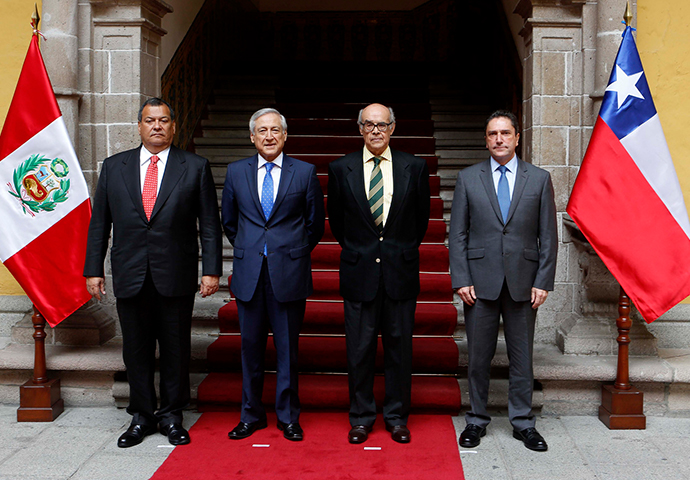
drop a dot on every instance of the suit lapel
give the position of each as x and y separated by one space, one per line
401 183
356 181
488 182
521 177
131 175
286 173
173 172
252 175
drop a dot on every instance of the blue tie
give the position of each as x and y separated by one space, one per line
267 195
503 193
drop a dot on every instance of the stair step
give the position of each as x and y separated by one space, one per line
432 258
326 317
328 354
223 391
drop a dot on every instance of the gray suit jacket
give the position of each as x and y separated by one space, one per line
484 251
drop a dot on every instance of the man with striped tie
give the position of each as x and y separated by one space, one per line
378 207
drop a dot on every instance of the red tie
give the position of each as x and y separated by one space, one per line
148 197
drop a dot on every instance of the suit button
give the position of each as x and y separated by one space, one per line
380 239
378 260
505 233
265 228
148 227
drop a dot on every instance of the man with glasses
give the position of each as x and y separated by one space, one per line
378 206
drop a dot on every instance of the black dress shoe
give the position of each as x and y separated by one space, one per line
531 438
399 433
471 436
244 430
135 435
176 434
291 431
358 434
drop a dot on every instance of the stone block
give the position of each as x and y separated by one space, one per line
555 111
575 146
532 64
7 321
84 25
560 300
123 137
101 71
561 185
553 145
22 332
120 108
562 263
61 61
589 26
100 147
150 79
15 304
125 72
588 69
575 77
85 59
552 73
559 40
575 110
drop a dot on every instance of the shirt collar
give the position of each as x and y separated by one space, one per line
511 165
386 155
278 162
145 156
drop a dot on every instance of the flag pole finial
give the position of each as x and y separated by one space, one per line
627 16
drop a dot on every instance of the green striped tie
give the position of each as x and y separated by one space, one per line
376 193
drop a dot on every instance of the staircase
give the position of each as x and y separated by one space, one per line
322 127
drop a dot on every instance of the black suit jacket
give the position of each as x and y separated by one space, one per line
367 254
168 244
484 251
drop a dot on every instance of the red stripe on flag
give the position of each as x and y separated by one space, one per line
629 226
51 276
33 106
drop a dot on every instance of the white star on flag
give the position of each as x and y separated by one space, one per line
624 86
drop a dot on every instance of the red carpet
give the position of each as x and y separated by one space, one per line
324 454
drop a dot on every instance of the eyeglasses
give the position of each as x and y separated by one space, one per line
369 126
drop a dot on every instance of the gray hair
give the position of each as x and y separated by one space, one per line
261 113
156 102
391 117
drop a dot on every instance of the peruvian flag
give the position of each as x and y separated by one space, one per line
627 200
44 202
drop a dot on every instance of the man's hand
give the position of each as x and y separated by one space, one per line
209 285
538 297
467 295
95 286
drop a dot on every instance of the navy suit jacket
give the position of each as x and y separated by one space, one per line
291 232
484 251
367 254
168 244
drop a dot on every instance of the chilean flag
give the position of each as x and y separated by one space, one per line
627 200
44 202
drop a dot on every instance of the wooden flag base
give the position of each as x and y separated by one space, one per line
622 405
39 398
622 409
40 402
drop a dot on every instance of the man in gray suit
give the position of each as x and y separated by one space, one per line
503 243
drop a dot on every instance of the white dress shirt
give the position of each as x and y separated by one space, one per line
510 174
145 160
386 170
275 174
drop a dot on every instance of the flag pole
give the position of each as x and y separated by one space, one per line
39 397
622 405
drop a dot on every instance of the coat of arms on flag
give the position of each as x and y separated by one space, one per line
40 184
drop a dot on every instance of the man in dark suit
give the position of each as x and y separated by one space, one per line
378 206
503 243
152 198
273 214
